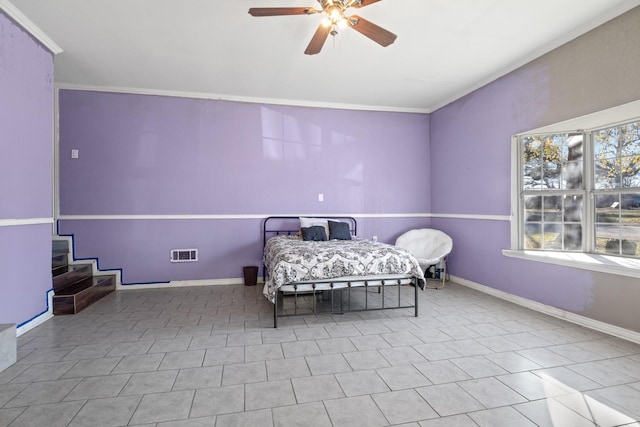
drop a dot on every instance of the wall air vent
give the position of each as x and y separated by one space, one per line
184 255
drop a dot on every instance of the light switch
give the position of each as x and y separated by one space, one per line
74 153
320 197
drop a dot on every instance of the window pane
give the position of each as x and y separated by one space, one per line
608 208
532 208
607 172
552 208
552 238
552 162
533 236
617 156
573 237
572 208
616 240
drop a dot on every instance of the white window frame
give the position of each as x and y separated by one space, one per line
586 259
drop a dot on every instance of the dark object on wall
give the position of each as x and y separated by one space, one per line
250 275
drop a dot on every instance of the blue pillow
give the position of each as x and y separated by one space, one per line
339 230
314 233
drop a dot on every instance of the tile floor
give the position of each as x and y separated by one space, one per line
210 357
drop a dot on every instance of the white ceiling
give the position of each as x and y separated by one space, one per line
214 48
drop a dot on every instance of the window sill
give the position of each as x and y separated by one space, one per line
595 262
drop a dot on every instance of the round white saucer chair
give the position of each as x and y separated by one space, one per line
430 247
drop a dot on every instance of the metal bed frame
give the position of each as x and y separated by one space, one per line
321 286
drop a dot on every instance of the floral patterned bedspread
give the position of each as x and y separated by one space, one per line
289 259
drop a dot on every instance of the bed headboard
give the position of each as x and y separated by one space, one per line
290 225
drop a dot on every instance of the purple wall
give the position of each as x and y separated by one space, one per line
26 141
470 168
152 155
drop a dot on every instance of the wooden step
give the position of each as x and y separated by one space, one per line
75 273
77 296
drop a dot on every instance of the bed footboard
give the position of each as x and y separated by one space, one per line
388 288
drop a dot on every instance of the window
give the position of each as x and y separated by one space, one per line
580 192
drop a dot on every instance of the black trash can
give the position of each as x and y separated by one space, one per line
250 275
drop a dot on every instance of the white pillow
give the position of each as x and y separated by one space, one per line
310 222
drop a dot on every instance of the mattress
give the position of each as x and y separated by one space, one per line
290 260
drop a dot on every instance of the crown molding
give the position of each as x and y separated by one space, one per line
7 7
234 98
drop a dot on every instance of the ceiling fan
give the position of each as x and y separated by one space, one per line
335 19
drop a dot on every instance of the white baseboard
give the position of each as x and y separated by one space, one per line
39 319
185 283
607 328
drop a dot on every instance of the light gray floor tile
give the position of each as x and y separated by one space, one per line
98 387
44 372
491 392
194 378
92 367
361 382
574 353
601 374
460 332
89 351
278 336
436 351
51 415
44 355
512 362
304 415
261 418
43 392
160 333
478 366
287 368
550 413
163 407
468 347
532 386
149 382
106 412
269 394
255 353
403 377
9 391
337 331
596 410
372 328
193 422
206 342
403 406
398 356
623 398
311 389
449 399
442 371
300 349
452 421
498 344
243 373
8 415
544 357
401 339
170 345
500 417
223 356
369 342
244 339
327 364
566 378
195 331
138 363
182 360
336 345
215 401
130 348
366 360
306 334
355 411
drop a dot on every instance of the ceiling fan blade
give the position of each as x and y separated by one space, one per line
371 30
318 39
363 3
280 11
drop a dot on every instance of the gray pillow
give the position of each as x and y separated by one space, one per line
314 233
339 230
